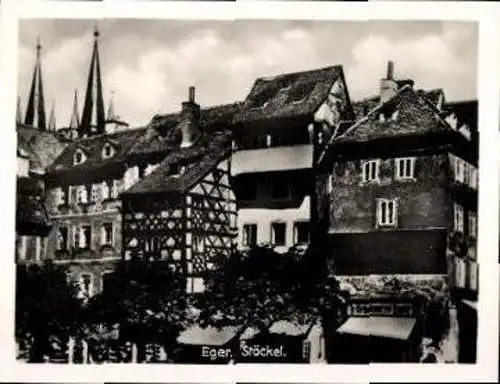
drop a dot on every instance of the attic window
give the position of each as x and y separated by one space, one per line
107 151
177 170
79 157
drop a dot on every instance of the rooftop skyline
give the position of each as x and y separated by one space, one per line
149 64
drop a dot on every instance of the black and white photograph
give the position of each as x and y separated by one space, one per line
231 192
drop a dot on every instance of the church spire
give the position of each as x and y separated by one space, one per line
19 113
52 119
35 113
111 109
75 116
93 118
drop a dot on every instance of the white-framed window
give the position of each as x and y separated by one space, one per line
76 236
472 224
38 248
115 189
79 157
459 170
82 236
81 194
107 234
458 217
306 349
22 247
473 276
460 273
62 238
278 234
250 235
370 169
405 168
108 151
85 283
72 194
95 195
387 212
301 232
105 191
60 196
473 177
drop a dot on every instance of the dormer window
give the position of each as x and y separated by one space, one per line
177 170
452 121
107 151
79 157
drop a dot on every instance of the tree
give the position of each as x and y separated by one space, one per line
261 286
47 307
146 300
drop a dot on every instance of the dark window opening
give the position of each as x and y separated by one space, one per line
301 233
278 234
250 235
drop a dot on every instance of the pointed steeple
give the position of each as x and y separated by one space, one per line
52 119
93 118
35 112
111 109
19 113
75 116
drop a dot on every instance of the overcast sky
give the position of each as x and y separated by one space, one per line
149 65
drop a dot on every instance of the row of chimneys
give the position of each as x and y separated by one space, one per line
190 114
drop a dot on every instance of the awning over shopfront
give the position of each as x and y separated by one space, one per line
388 327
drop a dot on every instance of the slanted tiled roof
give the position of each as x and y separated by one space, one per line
288 96
416 116
92 147
161 136
466 112
364 106
42 147
199 160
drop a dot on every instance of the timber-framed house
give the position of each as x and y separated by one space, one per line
184 211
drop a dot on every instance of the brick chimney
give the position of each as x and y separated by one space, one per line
190 121
388 86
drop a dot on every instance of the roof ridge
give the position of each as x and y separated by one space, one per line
272 77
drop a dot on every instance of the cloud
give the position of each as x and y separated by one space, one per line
150 66
432 61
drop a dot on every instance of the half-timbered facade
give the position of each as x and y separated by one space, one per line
184 211
278 131
398 184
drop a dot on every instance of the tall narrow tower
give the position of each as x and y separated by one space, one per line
19 113
35 112
52 119
93 116
74 123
